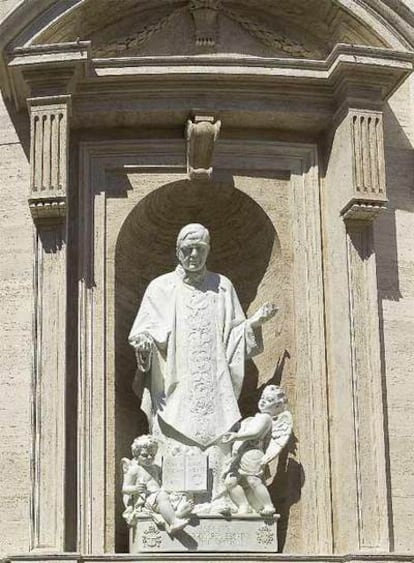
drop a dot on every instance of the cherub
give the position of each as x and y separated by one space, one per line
142 491
257 443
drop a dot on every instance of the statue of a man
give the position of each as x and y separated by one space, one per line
191 339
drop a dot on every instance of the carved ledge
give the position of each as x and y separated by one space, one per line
362 210
48 209
201 133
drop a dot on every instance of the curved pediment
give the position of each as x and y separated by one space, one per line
299 28
120 47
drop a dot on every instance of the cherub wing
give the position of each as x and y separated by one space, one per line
125 463
282 427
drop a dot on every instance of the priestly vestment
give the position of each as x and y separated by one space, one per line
201 339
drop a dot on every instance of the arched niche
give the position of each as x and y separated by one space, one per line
245 247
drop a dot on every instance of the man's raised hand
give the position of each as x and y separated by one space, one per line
265 313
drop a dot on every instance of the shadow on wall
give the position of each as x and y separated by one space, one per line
399 170
243 242
286 488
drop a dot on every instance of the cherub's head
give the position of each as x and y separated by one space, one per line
144 449
273 400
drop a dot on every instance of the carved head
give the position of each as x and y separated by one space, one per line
193 246
144 449
273 400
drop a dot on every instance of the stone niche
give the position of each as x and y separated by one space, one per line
262 239
249 221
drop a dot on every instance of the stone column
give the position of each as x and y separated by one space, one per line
354 192
46 76
368 199
49 133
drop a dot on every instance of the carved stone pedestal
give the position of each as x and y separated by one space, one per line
208 533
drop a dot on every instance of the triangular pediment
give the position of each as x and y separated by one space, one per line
299 28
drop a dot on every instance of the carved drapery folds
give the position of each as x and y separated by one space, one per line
202 133
369 193
48 156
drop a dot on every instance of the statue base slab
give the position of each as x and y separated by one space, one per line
208 533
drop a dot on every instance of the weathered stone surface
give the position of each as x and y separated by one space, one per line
395 268
328 500
208 534
16 297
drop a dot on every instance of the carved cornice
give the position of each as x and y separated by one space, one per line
48 210
362 210
106 92
48 70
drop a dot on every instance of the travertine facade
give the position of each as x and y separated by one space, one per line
312 172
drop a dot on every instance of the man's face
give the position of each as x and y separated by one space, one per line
193 255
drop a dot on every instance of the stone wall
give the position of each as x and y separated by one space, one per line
16 259
394 237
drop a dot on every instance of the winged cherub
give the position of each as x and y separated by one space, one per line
142 490
256 444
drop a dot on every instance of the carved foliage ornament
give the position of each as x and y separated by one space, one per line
206 18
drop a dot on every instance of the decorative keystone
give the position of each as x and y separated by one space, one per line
201 133
205 16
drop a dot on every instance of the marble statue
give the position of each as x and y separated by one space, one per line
143 493
257 444
191 339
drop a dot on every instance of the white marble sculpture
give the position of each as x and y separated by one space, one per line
191 339
143 493
256 445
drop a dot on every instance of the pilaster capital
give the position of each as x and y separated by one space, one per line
49 145
368 165
45 77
